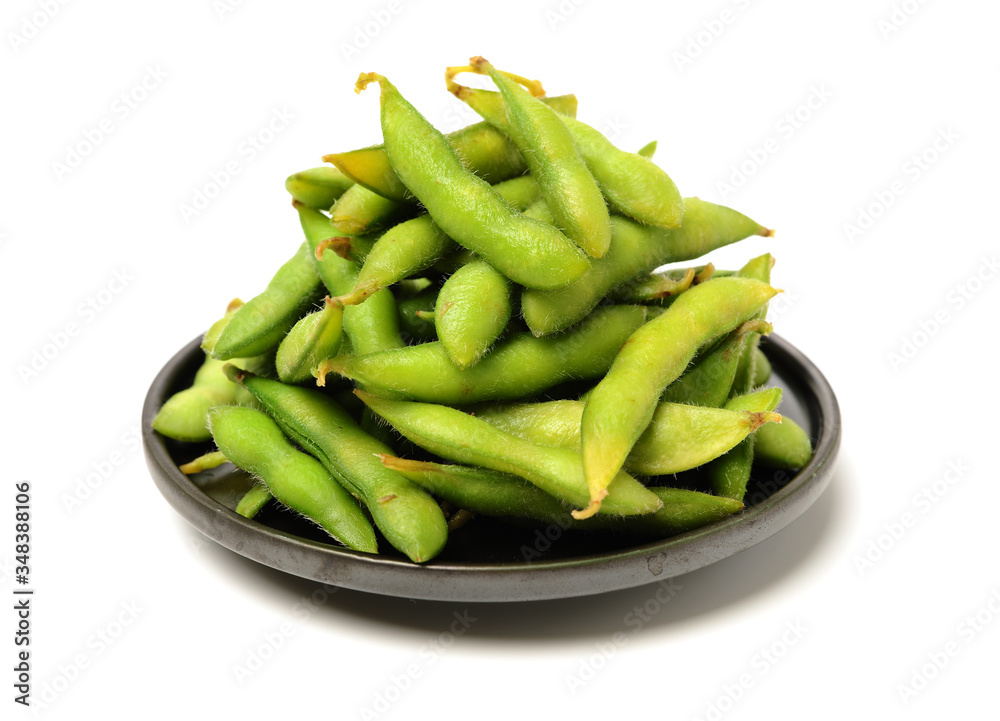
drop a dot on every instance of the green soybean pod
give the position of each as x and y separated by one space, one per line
253 501
215 330
482 149
371 326
648 150
786 445
471 312
317 187
763 400
424 372
480 490
635 251
761 368
548 147
758 268
633 184
621 406
657 286
184 415
255 443
548 423
314 339
467 208
417 244
679 437
492 493
359 210
412 311
263 321
405 514
729 474
709 380
461 437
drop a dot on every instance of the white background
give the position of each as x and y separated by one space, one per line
713 82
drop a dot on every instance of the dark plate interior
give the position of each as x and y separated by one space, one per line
488 560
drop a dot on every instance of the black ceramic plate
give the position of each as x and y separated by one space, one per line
488 560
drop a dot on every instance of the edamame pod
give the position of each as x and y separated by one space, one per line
466 208
679 437
761 368
682 437
471 312
636 250
461 437
710 378
786 445
491 493
480 490
404 249
554 160
730 474
424 372
758 268
255 443
213 333
409 518
184 416
482 149
417 244
412 322
657 286
622 404
633 184
359 210
370 327
312 340
318 187
263 321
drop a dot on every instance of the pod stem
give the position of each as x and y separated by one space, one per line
366 79
358 294
755 326
236 375
402 464
340 244
459 519
330 365
757 419
706 274
675 287
204 463
593 507
481 66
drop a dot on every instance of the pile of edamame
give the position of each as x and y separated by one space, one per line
474 325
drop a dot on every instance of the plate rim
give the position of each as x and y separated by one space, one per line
520 581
